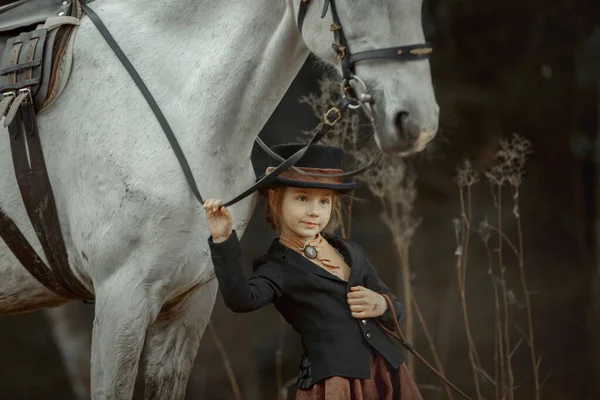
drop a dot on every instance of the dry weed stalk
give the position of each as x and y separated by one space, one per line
497 177
485 235
510 169
465 179
394 186
226 362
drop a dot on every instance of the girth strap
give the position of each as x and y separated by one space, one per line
20 247
33 182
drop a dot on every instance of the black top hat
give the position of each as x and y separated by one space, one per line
318 158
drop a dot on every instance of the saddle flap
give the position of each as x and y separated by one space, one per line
21 64
25 13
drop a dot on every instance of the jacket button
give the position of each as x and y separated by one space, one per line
363 321
368 335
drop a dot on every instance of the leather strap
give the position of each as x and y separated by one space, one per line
33 182
402 53
21 248
13 61
162 120
28 72
302 13
11 78
277 157
328 121
408 346
405 53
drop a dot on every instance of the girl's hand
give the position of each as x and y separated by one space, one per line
219 220
365 303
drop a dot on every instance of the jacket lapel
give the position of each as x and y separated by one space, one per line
353 259
351 255
296 259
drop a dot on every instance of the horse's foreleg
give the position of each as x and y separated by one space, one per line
172 344
123 313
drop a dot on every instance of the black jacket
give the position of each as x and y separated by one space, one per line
313 301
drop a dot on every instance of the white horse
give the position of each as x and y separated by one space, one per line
135 234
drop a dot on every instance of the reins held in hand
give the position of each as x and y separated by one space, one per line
408 346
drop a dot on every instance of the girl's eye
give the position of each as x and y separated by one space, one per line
325 201
301 198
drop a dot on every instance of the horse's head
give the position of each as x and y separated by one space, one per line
397 90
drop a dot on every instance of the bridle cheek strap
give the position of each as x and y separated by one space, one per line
348 60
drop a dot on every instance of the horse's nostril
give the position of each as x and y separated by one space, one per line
400 122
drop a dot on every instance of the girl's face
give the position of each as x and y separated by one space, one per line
305 212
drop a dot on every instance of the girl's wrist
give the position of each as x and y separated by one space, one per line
220 239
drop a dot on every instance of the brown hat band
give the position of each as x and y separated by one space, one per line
297 176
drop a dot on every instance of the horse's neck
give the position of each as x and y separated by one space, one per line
229 62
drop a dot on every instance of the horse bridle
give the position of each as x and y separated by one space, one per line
348 60
350 98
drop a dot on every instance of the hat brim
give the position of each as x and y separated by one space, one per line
342 188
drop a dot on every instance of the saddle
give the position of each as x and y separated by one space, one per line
36 51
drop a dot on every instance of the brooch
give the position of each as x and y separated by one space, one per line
310 252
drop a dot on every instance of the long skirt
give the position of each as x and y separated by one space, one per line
385 384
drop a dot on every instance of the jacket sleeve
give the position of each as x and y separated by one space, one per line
373 282
242 294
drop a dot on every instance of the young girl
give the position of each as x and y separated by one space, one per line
322 285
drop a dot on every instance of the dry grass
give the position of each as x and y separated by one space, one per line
508 170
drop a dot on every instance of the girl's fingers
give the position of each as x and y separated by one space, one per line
357 301
208 203
360 314
357 308
356 295
356 288
213 205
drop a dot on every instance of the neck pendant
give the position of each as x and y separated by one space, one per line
310 252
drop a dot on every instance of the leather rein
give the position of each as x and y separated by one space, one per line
349 99
408 346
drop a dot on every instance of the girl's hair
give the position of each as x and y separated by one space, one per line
274 220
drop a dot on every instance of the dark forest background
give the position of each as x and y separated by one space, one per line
499 67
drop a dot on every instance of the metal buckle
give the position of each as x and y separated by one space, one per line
340 50
27 90
326 116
